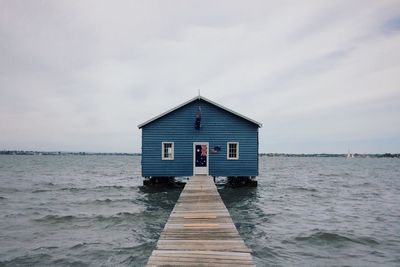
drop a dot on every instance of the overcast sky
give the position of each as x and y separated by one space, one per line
321 76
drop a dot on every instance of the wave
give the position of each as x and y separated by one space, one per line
83 244
42 259
80 189
8 190
70 189
302 188
108 201
111 187
73 189
14 215
116 219
330 237
100 201
87 244
58 219
366 184
28 260
43 248
329 174
100 187
41 191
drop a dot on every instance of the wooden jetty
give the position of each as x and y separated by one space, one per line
200 231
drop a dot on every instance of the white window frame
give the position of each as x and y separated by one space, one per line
237 151
172 151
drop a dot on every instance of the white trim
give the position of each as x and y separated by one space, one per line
194 157
237 151
198 98
172 152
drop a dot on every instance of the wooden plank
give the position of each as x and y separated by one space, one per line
200 231
201 225
205 245
200 216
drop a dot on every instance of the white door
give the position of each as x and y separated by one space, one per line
200 158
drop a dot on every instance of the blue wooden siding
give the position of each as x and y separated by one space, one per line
218 127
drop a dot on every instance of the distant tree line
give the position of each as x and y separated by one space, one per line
356 155
60 153
63 153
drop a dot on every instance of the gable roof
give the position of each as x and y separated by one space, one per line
194 99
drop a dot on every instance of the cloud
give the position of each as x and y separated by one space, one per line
81 75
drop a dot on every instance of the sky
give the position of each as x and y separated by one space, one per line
321 76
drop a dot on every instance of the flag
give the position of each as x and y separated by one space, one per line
203 150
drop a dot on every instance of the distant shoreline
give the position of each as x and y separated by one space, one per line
319 155
63 153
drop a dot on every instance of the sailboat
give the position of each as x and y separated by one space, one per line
349 155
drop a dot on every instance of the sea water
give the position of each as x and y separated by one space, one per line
93 211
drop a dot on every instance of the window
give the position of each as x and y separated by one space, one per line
167 150
232 150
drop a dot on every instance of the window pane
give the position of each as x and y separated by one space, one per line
232 150
168 150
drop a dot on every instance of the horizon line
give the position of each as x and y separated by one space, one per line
139 153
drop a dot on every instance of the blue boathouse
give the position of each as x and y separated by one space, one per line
200 137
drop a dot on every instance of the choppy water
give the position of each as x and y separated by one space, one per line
93 211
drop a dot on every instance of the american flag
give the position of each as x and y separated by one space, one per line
203 150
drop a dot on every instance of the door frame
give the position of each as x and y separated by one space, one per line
194 157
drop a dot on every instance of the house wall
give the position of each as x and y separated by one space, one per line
218 128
